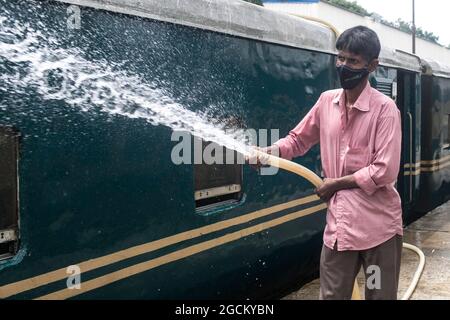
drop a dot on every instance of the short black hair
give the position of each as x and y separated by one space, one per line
360 40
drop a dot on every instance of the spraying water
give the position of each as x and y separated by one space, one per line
36 59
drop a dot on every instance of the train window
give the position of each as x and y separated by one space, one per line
386 86
217 185
9 216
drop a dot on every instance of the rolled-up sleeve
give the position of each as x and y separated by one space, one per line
385 166
305 135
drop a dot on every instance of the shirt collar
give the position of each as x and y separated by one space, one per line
362 103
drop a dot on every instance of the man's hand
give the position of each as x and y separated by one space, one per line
327 189
330 186
256 161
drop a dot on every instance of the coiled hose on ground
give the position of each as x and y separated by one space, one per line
316 181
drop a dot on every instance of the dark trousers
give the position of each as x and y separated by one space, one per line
381 264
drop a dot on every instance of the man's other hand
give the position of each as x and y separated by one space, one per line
327 189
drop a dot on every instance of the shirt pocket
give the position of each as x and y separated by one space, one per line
356 159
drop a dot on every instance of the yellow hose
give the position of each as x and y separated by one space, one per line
317 181
418 272
291 167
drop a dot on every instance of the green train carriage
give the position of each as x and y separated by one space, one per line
99 190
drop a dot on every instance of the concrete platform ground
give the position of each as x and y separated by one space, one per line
431 234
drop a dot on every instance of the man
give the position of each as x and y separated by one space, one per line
359 131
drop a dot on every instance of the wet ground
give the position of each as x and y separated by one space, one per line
431 234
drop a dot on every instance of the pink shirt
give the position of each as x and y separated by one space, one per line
368 146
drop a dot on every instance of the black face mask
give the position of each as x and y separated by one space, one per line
349 77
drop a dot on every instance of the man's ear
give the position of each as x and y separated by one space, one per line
373 65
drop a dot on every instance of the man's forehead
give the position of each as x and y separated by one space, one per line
348 54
